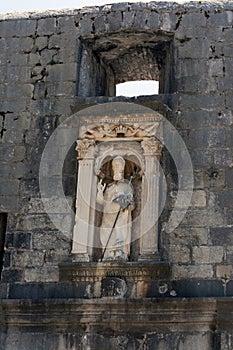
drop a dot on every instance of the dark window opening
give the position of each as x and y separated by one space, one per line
110 59
3 223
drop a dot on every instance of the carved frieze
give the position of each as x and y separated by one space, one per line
103 132
78 272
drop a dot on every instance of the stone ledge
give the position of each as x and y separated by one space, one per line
193 288
163 314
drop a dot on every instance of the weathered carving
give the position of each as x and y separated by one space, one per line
111 131
128 270
85 148
152 146
117 201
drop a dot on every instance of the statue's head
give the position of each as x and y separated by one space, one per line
118 166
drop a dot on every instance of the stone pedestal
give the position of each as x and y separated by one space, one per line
115 279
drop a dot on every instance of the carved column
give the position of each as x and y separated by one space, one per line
81 234
150 199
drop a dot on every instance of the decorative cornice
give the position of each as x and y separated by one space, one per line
163 314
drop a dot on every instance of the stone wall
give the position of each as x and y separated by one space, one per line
52 65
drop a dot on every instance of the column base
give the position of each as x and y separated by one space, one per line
149 257
80 257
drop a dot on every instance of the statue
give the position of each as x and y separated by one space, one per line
117 201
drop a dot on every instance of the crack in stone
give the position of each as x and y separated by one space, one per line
3 129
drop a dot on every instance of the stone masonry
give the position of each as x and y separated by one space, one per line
53 65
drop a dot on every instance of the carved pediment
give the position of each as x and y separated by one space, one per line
106 131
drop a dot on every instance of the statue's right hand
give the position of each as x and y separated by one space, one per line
101 187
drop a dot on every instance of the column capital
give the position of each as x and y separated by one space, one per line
85 148
152 146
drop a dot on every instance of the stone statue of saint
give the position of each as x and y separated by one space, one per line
117 201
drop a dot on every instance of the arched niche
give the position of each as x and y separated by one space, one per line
133 173
137 138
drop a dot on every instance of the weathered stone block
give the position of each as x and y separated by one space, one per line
14 136
221 19
100 24
28 259
179 254
85 25
209 217
123 6
62 72
201 160
54 257
20 27
114 21
224 271
12 275
46 240
198 288
167 21
202 49
9 187
229 216
224 198
192 271
41 274
15 121
67 55
41 42
228 66
140 19
19 45
221 235
47 57
29 186
223 157
18 240
46 26
128 19
207 255
199 199
61 89
193 20
216 67
9 203
229 178
3 44
3 290
187 235
66 23
207 138
16 91
5 170
209 100
225 83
